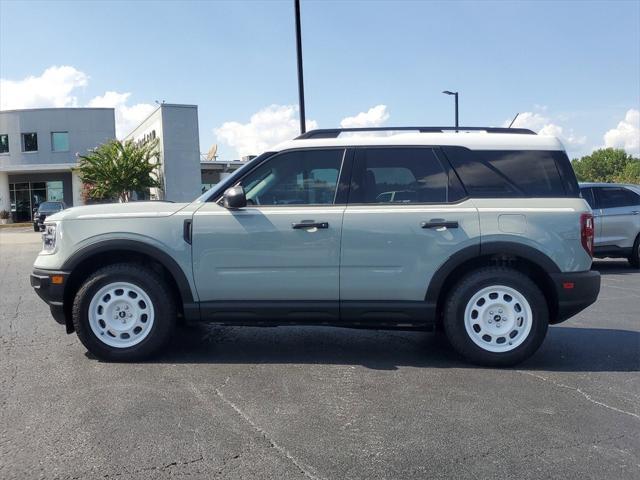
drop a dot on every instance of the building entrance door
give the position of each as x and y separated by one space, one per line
21 203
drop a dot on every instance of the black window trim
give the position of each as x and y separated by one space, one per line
341 171
450 174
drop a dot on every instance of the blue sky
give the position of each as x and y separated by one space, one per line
572 66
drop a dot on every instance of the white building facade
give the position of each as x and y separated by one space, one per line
38 152
176 128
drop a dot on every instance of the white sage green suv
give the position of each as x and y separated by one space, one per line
481 231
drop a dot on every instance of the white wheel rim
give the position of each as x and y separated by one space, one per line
121 314
498 318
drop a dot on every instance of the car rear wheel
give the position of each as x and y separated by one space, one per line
496 316
124 312
634 258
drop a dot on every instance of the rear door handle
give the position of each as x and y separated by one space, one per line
309 224
635 212
439 224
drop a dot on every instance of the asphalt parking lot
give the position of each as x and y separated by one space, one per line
318 403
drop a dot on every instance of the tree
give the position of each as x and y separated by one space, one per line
631 173
607 165
116 169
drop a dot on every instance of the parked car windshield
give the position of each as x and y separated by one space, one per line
50 206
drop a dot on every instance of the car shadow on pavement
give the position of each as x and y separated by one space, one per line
618 267
569 349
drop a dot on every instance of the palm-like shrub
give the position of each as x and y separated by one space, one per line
116 169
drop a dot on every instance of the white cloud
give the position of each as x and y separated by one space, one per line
374 117
54 88
544 125
266 128
127 117
58 86
627 134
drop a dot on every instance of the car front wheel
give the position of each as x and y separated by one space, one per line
124 312
496 316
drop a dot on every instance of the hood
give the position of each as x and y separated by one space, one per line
119 210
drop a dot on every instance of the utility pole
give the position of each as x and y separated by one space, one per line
455 94
303 124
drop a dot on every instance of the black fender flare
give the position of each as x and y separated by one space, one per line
158 255
490 248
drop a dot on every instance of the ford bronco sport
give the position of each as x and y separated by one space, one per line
480 231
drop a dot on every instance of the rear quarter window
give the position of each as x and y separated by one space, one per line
513 173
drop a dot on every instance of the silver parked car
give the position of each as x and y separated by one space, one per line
616 212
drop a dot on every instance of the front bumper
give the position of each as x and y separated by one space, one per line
575 292
52 293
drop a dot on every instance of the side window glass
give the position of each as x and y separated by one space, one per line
509 173
587 194
400 175
615 197
295 178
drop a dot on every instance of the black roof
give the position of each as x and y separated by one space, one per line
335 132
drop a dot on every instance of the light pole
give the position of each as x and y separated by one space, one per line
455 94
303 126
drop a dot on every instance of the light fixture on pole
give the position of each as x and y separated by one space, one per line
455 94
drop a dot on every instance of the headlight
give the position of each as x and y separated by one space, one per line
49 238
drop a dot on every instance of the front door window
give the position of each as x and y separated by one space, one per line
295 178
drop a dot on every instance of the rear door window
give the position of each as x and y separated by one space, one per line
398 176
615 197
587 194
512 173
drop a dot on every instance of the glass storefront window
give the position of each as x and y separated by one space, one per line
25 197
60 141
55 191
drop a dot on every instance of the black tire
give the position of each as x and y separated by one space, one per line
634 258
161 299
461 295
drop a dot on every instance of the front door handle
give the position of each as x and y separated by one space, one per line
635 212
309 224
439 224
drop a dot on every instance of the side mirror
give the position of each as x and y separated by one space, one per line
234 198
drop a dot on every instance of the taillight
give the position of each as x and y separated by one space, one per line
587 232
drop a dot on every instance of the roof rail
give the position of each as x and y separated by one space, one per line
335 132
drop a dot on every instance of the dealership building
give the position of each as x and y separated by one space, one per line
39 151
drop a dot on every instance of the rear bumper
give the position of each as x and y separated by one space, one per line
52 294
575 292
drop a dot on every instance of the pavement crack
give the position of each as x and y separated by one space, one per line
306 470
581 392
162 468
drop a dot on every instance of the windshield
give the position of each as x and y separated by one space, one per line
50 206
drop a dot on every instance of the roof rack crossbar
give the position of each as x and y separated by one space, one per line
335 132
